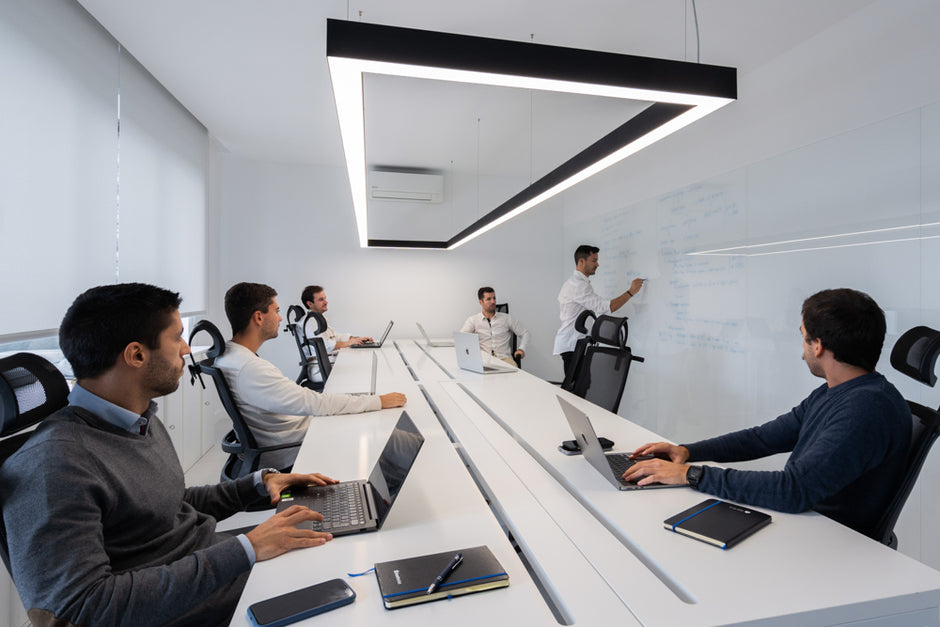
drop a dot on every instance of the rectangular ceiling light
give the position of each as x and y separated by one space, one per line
681 93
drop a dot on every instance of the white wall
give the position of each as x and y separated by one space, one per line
290 226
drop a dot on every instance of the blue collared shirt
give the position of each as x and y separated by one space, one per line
137 424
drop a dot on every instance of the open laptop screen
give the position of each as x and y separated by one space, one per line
394 463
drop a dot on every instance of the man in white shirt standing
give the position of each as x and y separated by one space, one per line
314 298
277 409
496 328
577 294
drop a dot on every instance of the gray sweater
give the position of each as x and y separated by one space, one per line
102 530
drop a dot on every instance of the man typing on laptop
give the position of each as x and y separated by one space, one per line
848 440
100 527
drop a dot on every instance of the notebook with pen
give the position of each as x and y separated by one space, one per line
406 581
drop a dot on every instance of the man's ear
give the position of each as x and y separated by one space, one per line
258 318
818 348
134 355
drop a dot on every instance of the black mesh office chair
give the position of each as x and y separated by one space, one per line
914 354
31 388
244 453
504 308
582 324
305 327
605 365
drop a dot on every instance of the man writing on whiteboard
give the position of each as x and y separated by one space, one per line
577 294
848 440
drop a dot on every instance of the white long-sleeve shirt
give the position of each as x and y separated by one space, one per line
276 408
576 295
496 334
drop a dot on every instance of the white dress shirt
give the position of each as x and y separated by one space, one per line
496 334
576 295
277 409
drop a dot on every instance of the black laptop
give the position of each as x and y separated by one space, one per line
380 342
357 506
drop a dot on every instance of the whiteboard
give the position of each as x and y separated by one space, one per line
719 328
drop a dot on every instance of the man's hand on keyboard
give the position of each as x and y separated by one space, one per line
279 534
275 483
656 470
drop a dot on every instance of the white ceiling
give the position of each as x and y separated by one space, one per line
255 74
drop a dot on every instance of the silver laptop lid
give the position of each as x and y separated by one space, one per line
467 346
375 366
584 434
387 329
423 332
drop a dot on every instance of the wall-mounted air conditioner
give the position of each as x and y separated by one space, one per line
408 186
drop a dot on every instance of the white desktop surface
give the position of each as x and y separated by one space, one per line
602 555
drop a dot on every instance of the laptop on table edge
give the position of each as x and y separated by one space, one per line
380 342
375 368
587 439
377 493
469 356
435 343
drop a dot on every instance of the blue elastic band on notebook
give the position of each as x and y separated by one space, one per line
360 574
450 584
704 509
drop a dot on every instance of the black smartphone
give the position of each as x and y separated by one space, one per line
570 447
299 604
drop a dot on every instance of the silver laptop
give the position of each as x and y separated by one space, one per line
431 342
380 342
470 358
357 506
610 465
375 368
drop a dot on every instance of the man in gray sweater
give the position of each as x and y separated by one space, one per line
101 528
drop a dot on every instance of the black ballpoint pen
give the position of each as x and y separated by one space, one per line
451 567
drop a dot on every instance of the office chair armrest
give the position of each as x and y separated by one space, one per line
636 358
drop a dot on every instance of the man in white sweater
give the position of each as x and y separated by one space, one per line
277 409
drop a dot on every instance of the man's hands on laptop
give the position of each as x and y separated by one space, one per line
393 399
668 465
279 534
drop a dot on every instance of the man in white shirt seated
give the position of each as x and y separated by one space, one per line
276 408
496 329
577 294
314 298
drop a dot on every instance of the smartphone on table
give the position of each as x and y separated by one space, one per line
299 604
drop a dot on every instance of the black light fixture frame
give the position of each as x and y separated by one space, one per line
408 46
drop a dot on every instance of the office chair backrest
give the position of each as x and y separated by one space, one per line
605 364
31 388
239 443
514 342
914 354
582 324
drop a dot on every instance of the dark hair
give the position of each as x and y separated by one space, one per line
242 300
103 320
847 322
584 251
484 290
309 292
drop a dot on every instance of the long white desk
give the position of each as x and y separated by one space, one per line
597 554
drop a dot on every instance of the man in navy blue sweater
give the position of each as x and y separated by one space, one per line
848 440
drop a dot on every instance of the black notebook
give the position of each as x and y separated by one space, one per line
717 522
406 581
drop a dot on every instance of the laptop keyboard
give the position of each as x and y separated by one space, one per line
340 504
619 464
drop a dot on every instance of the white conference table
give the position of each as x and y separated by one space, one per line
592 554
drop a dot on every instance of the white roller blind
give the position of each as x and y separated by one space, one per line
63 224
164 159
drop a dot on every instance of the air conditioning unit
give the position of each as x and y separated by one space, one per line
408 186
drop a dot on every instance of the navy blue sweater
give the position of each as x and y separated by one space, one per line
849 444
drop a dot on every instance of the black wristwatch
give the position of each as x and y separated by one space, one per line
693 475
